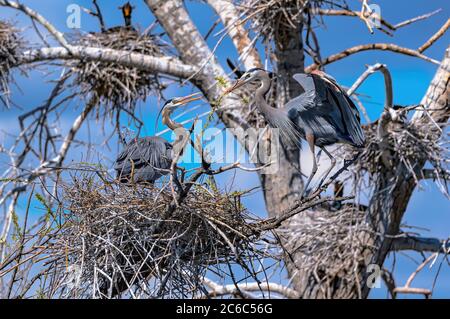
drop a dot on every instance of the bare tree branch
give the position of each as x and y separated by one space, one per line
350 13
369 47
421 244
219 290
407 289
435 37
193 49
167 65
39 18
387 79
43 169
433 174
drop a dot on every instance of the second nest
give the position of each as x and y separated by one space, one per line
115 85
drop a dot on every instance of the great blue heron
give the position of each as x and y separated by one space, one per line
322 115
146 159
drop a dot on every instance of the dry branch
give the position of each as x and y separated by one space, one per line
268 289
435 37
167 65
59 36
421 244
229 16
368 47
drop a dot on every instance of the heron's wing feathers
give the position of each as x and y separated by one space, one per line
146 153
326 107
307 99
306 81
340 110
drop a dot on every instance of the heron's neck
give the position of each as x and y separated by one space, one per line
260 99
168 121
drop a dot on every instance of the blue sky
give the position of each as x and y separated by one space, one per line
411 77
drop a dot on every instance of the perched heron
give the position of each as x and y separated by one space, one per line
322 115
148 158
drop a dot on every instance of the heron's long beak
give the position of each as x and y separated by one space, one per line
189 98
166 111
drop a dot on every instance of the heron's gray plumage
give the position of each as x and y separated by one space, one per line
325 111
146 158
322 115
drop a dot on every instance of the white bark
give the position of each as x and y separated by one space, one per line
167 65
230 18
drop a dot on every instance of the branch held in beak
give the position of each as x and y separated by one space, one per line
235 86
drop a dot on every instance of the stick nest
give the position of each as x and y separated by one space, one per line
408 142
334 256
115 85
271 18
11 45
126 236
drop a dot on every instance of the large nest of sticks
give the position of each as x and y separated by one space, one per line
10 47
271 18
406 142
332 257
115 85
119 238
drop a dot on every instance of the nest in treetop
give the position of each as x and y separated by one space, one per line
406 142
272 18
10 48
117 236
115 85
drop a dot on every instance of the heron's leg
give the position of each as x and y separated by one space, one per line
333 164
310 140
347 163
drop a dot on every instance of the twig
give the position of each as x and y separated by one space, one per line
435 37
406 289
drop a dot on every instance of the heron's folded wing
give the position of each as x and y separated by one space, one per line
134 154
307 99
340 110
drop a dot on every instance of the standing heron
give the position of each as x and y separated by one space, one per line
146 159
322 115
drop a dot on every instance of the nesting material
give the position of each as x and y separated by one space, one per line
270 17
119 86
126 236
10 48
334 256
405 142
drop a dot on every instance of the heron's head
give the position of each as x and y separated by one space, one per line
250 76
179 101
175 102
